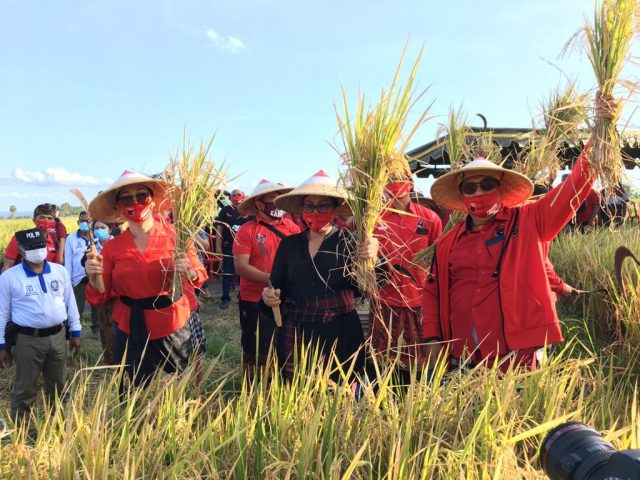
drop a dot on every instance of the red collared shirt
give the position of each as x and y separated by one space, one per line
401 236
260 243
131 273
476 320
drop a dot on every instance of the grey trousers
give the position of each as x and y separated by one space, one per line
33 355
81 298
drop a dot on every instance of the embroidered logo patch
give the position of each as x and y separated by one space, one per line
421 229
55 286
29 291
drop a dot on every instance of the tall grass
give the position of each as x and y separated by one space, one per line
9 226
477 424
587 262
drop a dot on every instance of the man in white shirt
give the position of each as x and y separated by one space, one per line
74 249
36 299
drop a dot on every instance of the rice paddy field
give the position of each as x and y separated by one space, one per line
476 424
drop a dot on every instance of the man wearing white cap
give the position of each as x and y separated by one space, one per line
489 296
254 249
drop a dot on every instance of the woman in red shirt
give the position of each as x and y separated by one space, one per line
137 269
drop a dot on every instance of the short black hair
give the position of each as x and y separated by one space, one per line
44 209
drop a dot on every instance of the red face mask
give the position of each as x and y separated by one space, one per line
236 199
317 221
137 212
484 205
46 225
399 189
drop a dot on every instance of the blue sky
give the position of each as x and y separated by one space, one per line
89 88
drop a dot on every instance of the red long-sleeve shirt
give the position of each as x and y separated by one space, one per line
135 274
527 315
401 236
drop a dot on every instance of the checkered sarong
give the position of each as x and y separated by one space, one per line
396 331
198 339
321 309
312 311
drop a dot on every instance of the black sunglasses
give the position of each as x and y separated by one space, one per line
320 208
127 200
487 184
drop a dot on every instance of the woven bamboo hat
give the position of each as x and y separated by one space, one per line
514 187
319 184
104 206
264 187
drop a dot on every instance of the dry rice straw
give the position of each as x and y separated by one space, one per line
374 147
196 184
606 41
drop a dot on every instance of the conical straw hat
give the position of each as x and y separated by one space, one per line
319 184
514 187
264 187
104 208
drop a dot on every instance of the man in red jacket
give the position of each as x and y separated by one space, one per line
404 229
488 297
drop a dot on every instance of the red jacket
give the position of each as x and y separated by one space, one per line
529 317
402 236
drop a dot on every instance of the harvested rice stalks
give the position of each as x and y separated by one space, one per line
425 257
456 136
606 42
563 113
196 182
458 149
374 147
484 146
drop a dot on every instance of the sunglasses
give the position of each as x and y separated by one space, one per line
487 184
127 200
320 208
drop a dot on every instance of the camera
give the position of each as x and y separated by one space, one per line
575 451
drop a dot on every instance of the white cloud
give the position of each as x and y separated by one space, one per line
19 195
228 44
57 176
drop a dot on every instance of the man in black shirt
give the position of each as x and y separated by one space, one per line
229 222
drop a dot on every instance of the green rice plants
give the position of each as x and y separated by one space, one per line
374 142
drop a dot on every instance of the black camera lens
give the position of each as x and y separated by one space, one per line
574 451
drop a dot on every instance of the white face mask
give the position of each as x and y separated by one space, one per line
36 256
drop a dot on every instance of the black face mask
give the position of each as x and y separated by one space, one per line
272 211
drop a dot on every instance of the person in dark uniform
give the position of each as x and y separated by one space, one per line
229 221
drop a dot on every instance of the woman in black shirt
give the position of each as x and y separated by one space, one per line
312 281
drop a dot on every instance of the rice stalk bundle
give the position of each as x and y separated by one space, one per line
455 134
606 42
196 181
563 112
484 146
374 146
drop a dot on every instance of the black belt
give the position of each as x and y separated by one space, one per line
39 332
137 326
